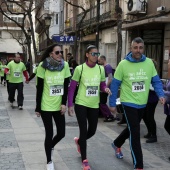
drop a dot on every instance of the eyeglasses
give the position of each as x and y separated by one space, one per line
57 52
95 54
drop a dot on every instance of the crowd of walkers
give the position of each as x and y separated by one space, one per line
134 86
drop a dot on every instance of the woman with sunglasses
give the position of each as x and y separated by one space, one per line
91 79
52 88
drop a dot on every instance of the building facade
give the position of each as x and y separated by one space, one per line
150 20
10 33
51 10
96 24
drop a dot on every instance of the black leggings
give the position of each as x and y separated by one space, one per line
167 124
149 119
51 141
83 115
132 131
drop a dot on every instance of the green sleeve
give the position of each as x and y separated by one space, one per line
40 71
76 75
119 72
24 68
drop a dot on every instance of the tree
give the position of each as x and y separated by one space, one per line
118 10
78 25
23 8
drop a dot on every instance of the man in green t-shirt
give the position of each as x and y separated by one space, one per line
16 69
2 74
133 76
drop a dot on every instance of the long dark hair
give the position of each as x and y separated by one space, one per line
48 51
74 63
88 49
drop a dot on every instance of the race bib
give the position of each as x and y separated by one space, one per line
16 74
56 90
138 86
92 91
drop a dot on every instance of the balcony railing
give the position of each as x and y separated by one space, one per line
107 13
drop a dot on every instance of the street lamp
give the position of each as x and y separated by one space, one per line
47 20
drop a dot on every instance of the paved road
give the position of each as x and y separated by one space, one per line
22 141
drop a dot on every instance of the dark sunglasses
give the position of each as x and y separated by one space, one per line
95 54
58 52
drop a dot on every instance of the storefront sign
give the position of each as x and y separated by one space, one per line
63 39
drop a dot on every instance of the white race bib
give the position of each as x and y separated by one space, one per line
56 90
16 74
92 91
138 86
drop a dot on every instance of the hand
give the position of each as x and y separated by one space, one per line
8 73
63 109
162 100
112 109
71 111
107 90
38 114
27 82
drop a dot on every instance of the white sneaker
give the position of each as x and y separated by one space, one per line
20 107
50 166
11 104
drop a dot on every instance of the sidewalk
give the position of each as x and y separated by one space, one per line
22 141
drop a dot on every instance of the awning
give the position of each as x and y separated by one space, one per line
163 19
10 46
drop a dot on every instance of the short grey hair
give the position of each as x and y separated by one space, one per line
138 40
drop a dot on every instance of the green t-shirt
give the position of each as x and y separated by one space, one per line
16 71
136 79
53 87
89 89
2 68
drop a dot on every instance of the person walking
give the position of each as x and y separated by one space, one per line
16 69
74 64
167 104
103 96
52 88
134 75
69 60
91 79
149 113
2 73
28 65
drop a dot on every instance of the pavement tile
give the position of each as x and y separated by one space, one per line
22 141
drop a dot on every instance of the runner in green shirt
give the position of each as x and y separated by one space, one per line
2 72
16 69
52 87
91 79
134 75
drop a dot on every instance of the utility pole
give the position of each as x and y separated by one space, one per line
97 23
